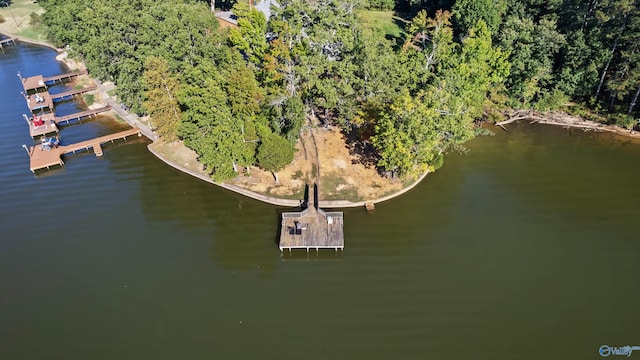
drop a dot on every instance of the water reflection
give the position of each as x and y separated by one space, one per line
540 164
493 255
241 230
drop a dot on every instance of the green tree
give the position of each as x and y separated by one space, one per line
469 12
320 38
432 36
208 126
251 35
274 152
405 136
533 47
160 100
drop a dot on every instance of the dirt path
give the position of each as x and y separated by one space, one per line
18 21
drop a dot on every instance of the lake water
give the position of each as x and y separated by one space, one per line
528 247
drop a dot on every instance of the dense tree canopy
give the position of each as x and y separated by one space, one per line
240 97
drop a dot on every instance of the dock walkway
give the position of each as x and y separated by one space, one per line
44 101
81 114
37 82
42 158
71 93
62 77
50 121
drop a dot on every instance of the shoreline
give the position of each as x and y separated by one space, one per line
33 42
559 118
133 120
330 204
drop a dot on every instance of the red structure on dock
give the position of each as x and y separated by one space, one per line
47 123
41 124
49 153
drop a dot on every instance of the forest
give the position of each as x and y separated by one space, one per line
241 96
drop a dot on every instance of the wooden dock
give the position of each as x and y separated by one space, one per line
63 77
50 121
82 114
45 158
48 127
71 93
312 228
7 41
44 101
35 83
39 101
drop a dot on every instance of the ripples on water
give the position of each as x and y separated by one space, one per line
527 247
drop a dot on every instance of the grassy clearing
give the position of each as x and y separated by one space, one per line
384 22
18 20
292 196
89 99
335 187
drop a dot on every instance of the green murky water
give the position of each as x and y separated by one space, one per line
526 248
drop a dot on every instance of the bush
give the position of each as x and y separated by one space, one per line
2 19
553 100
625 121
380 4
34 19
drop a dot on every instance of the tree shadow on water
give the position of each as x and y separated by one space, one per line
239 230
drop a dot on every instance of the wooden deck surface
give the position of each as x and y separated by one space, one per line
318 231
40 158
39 81
33 82
55 78
47 102
48 127
81 114
312 228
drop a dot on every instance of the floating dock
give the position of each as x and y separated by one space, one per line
41 158
312 228
82 114
39 102
48 125
39 82
44 101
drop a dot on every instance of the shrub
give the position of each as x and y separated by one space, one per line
380 4
625 121
34 19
